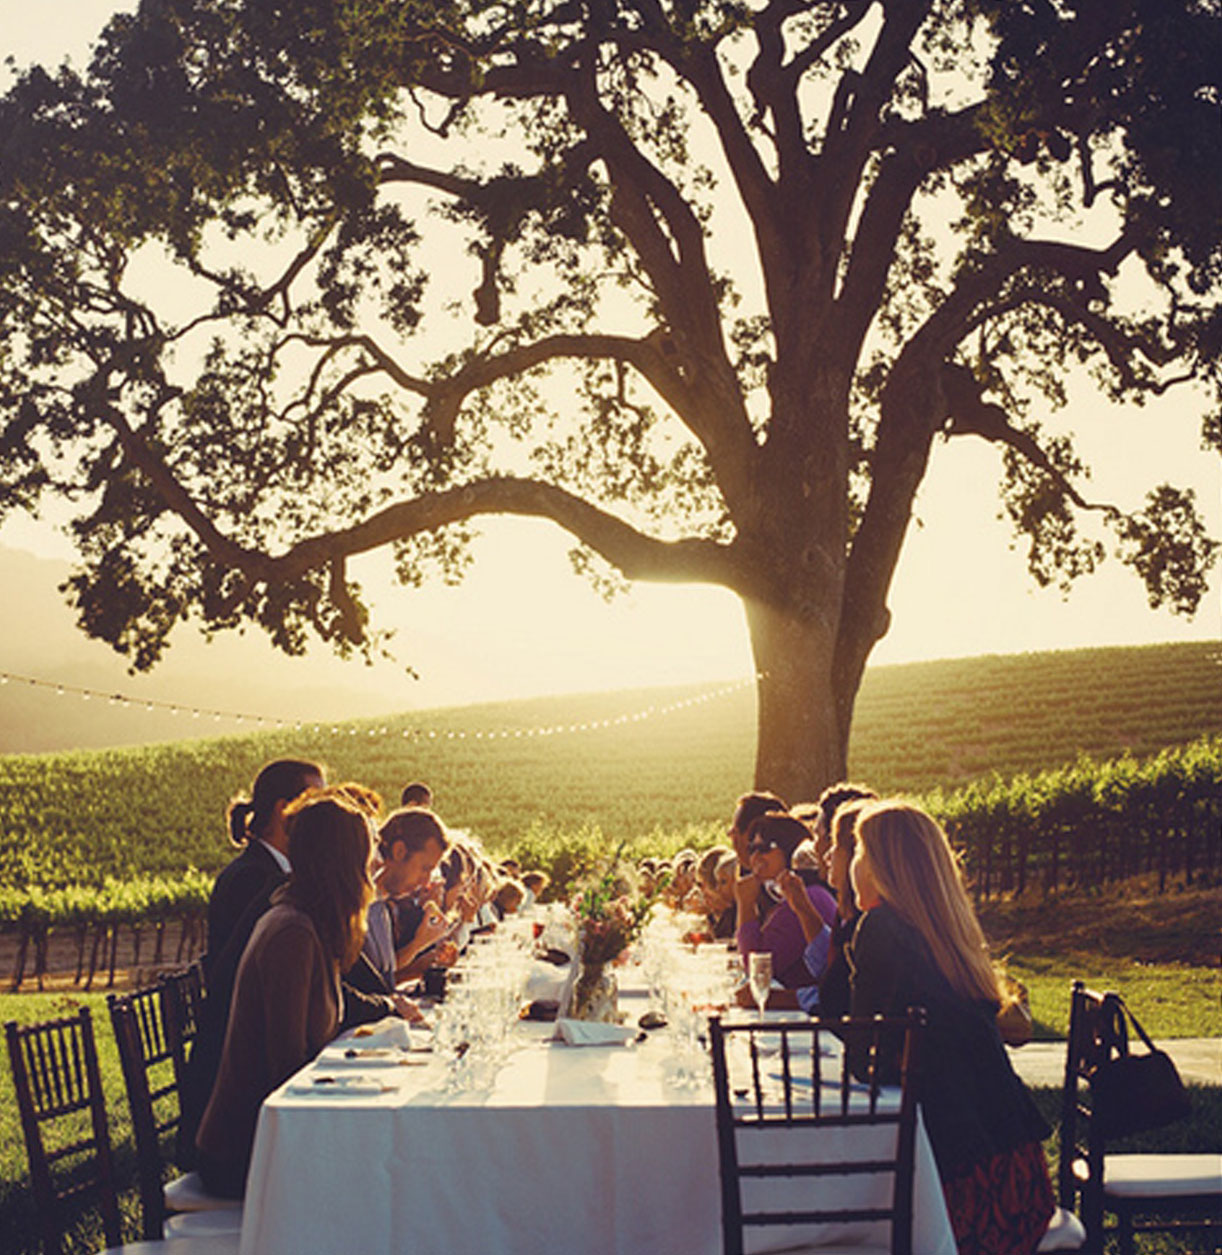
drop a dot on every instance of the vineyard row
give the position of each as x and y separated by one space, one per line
1077 827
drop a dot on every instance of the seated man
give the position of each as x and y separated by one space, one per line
403 927
508 897
535 881
416 794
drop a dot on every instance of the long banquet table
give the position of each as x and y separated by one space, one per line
591 1149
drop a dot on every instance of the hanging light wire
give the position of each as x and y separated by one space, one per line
151 705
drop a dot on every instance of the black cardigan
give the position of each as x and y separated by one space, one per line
974 1104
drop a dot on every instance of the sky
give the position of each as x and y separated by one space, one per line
522 623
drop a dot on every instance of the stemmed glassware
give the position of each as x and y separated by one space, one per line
473 1025
759 974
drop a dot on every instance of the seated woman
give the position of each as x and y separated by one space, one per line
749 807
765 922
286 998
918 943
682 881
826 947
715 876
830 801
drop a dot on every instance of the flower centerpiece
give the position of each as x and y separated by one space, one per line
609 917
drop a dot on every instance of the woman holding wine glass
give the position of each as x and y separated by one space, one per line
766 923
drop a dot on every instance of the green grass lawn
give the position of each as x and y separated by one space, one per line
1159 951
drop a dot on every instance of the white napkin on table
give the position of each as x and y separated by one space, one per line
390 1033
593 1033
330 1083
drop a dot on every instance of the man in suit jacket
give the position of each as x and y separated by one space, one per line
257 828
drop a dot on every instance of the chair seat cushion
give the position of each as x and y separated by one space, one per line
203 1224
222 1244
1162 1176
187 1193
1065 1232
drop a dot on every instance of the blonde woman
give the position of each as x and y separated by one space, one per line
286 999
918 943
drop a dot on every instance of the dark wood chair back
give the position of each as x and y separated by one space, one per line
1169 1201
152 1092
63 1118
793 1078
182 1000
1097 1032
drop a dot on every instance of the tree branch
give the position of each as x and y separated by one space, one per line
857 114
968 413
395 169
634 553
935 143
138 452
637 555
1119 346
978 289
260 300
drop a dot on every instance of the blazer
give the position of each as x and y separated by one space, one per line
286 1007
250 876
365 999
974 1104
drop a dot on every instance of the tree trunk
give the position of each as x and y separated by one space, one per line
800 745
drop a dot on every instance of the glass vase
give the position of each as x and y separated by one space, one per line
595 994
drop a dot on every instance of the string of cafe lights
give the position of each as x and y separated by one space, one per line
151 705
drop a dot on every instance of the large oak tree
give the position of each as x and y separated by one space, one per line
700 282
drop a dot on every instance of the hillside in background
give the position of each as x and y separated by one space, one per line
39 638
925 724
628 763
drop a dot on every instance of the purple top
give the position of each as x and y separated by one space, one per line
781 934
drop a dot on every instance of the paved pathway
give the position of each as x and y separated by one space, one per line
1199 1060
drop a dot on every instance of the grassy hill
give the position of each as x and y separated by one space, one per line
631 763
945 723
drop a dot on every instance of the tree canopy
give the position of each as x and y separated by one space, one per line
702 282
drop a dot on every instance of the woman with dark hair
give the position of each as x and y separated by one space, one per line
918 943
765 921
256 827
750 806
286 999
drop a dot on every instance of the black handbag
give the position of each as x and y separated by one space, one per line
1132 1093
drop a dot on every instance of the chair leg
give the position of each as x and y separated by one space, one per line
1124 1227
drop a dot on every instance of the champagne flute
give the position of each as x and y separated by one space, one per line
759 973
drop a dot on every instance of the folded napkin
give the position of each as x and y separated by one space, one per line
593 1033
330 1083
390 1033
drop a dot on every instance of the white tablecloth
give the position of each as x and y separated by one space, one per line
588 1149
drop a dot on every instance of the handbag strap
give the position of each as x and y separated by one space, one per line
1141 1032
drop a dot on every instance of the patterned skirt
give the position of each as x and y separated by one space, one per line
1002 1206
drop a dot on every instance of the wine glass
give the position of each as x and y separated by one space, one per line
759 974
